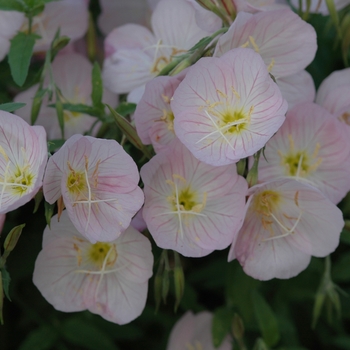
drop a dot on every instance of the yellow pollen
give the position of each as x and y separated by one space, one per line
166 99
168 118
345 117
76 181
222 94
253 43
98 252
235 92
300 163
270 66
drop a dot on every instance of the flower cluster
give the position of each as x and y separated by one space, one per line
248 155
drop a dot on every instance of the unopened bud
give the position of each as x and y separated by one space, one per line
237 327
12 238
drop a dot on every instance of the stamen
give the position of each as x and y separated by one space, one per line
255 46
270 66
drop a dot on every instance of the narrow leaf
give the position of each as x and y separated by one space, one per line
266 319
37 200
49 209
19 56
222 322
42 338
130 132
85 335
6 279
97 87
11 106
11 5
59 111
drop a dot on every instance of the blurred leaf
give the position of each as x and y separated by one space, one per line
345 29
341 269
179 280
11 106
59 110
239 287
19 56
260 345
81 333
342 342
97 87
345 236
42 338
58 44
12 5
37 200
334 16
126 108
6 279
266 319
222 322
53 145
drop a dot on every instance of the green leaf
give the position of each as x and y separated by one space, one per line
129 132
49 210
266 319
53 145
222 322
81 333
97 86
6 279
19 56
59 111
126 108
11 106
345 237
11 5
37 200
42 338
36 105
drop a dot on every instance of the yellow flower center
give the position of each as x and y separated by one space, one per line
102 252
300 163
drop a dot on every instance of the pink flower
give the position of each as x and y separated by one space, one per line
227 108
134 55
190 206
108 279
333 93
194 332
286 43
297 88
71 16
286 223
98 181
10 23
154 119
72 74
312 147
23 157
118 12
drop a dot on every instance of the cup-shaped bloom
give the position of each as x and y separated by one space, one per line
72 74
23 157
134 55
191 207
109 279
286 223
333 93
98 181
312 147
286 43
154 119
227 108
194 332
